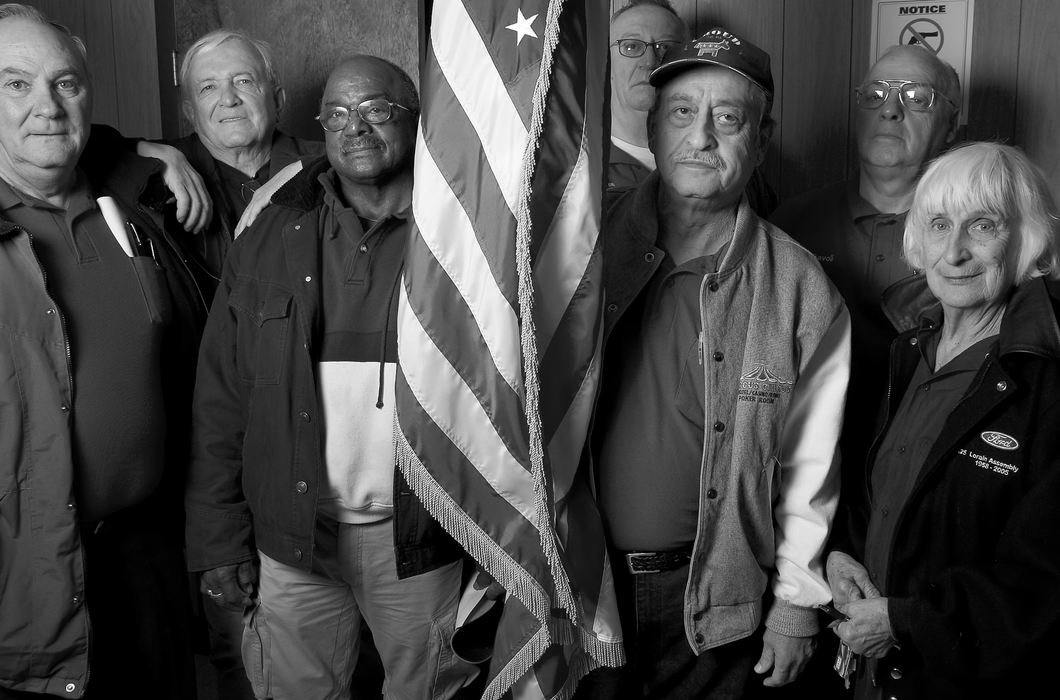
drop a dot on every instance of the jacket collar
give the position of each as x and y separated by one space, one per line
1029 324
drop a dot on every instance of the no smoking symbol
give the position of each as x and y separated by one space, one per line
925 32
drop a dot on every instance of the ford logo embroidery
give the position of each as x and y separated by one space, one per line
999 440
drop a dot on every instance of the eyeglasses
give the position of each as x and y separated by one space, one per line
635 48
376 111
916 97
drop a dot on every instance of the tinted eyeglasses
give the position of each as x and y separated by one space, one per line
916 97
375 111
635 48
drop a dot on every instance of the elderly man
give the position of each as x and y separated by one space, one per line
725 363
98 326
294 406
232 96
907 114
641 33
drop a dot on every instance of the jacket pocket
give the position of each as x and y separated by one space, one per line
262 312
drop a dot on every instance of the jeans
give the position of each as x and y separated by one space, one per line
660 662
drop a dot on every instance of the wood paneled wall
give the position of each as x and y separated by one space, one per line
820 50
307 39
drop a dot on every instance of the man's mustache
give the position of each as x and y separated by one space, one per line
354 143
711 160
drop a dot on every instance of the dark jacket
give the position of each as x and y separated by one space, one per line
974 573
44 628
258 460
209 247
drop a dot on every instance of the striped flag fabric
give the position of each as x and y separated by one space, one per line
499 323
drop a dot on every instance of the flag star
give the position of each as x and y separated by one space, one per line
523 27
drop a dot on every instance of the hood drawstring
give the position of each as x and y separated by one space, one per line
386 332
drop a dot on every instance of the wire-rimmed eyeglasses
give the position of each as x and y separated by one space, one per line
917 97
374 111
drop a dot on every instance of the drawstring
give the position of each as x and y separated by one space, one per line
386 332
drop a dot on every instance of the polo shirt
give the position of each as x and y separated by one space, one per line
928 401
114 315
651 413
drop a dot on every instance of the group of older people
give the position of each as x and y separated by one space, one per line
893 333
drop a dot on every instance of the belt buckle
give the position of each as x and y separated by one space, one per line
629 564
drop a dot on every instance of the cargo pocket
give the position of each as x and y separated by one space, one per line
263 313
256 648
154 288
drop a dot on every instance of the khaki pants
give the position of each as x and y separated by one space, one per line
302 639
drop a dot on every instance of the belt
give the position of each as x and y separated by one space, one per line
657 562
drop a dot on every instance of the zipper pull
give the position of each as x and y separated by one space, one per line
701 348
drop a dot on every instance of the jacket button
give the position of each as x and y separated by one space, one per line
713 286
612 307
70 687
298 227
719 356
896 673
912 341
76 600
69 506
719 426
301 487
712 493
304 416
1002 385
699 638
50 311
649 257
64 408
298 554
308 278
363 248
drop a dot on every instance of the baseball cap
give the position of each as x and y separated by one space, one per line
718 47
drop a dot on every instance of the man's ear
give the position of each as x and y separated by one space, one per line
281 98
188 110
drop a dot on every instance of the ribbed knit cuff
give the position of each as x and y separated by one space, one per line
792 620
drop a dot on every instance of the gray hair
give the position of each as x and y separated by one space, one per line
995 178
14 9
217 37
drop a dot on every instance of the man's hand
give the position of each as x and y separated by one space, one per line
194 206
232 587
868 631
786 656
848 580
263 195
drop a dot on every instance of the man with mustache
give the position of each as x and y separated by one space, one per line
725 364
293 455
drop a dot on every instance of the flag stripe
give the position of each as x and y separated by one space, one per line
462 59
444 396
453 142
455 248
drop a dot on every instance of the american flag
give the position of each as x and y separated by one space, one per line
499 323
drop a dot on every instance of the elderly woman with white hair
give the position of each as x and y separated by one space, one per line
948 567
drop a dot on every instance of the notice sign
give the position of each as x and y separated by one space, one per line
945 28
